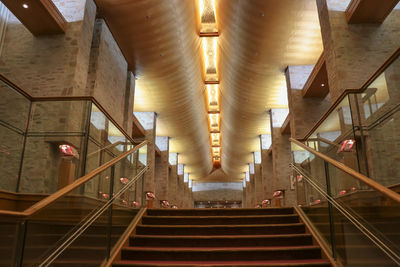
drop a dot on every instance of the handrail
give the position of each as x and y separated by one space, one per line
67 98
384 190
65 190
380 70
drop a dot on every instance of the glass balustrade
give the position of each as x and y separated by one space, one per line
47 144
361 131
358 222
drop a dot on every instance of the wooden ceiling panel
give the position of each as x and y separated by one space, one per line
40 17
161 44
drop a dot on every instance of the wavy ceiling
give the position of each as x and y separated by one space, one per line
257 40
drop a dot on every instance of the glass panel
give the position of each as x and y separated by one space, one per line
52 226
369 209
335 137
8 241
106 141
379 214
378 125
57 223
14 112
46 166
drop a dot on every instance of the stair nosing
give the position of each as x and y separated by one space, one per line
220 236
217 225
218 249
223 216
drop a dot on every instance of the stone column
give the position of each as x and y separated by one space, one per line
172 185
267 173
354 52
162 169
304 112
258 183
281 158
148 121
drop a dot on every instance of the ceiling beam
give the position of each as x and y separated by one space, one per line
317 83
369 11
40 17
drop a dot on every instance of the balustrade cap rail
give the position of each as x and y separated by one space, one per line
378 187
65 190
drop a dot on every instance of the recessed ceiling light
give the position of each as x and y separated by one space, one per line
322 84
210 53
25 5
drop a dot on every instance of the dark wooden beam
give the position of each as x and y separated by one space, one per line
285 128
317 83
158 151
137 129
211 82
41 17
369 11
209 34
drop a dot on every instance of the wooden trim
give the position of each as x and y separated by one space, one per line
285 128
124 239
379 71
55 14
369 11
139 131
315 74
316 236
366 180
62 192
209 34
211 82
157 150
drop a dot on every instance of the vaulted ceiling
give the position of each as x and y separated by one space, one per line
257 40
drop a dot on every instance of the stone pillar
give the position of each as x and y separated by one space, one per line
148 121
180 194
267 173
354 52
258 183
172 185
281 158
162 169
304 112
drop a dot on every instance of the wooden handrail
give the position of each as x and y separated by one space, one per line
380 70
65 190
366 180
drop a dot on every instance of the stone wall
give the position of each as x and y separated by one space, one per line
354 52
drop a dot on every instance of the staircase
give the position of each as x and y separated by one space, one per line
221 237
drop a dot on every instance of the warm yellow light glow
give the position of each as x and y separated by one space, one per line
214 122
216 151
212 96
210 58
215 139
207 16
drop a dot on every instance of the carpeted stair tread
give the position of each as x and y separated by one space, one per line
212 249
221 240
221 236
215 220
220 226
268 263
218 212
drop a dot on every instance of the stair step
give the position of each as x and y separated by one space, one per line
218 212
220 253
282 263
223 241
220 220
259 229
